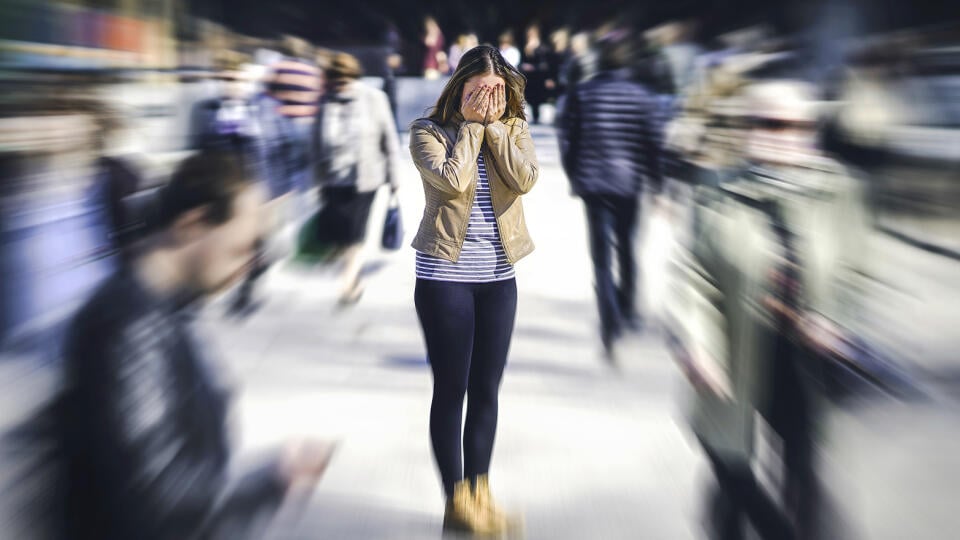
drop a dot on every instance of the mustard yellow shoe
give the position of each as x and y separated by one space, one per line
462 513
497 519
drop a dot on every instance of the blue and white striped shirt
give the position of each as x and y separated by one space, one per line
482 259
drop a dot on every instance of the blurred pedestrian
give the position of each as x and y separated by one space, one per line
140 427
435 55
280 159
356 151
117 179
393 63
508 49
581 64
559 55
720 340
611 153
535 65
476 160
227 121
296 82
819 217
464 43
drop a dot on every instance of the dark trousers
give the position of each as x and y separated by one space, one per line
467 329
243 298
740 497
790 414
612 223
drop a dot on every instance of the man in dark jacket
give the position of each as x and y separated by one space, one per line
140 425
610 147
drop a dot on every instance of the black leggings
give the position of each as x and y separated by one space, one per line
467 329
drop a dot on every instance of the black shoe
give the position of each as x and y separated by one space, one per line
243 306
609 339
634 324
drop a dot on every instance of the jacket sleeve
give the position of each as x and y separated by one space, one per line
514 157
175 487
389 142
450 174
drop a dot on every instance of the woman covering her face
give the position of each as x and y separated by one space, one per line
476 160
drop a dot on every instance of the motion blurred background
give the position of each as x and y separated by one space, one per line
587 450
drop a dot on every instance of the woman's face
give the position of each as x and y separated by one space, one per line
475 82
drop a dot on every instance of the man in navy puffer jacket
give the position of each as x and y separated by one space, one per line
610 145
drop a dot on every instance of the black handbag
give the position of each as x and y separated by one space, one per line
392 238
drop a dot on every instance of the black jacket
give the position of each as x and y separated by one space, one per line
141 429
610 136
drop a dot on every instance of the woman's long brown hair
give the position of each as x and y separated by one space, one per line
481 60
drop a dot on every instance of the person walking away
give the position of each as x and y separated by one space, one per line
464 43
611 152
508 49
535 65
559 55
476 159
356 149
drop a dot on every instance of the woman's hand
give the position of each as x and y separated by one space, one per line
497 104
474 108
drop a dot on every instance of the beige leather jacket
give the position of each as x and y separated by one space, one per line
447 159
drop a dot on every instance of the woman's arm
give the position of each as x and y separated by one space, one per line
451 174
514 157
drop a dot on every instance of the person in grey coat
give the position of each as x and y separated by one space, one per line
356 150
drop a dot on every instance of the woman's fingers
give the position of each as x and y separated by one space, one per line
474 101
484 94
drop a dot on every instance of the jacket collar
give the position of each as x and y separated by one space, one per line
614 74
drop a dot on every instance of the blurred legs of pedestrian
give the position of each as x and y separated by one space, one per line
351 287
791 416
243 303
738 498
349 212
612 223
268 251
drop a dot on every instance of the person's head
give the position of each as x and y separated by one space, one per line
431 25
233 77
580 43
472 41
296 47
479 66
615 52
560 39
784 116
533 32
506 39
210 215
342 70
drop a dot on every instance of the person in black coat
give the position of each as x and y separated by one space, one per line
611 149
137 436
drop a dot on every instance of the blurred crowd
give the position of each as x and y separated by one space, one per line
755 168
765 175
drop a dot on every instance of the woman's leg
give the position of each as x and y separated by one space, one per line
496 310
446 312
351 283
